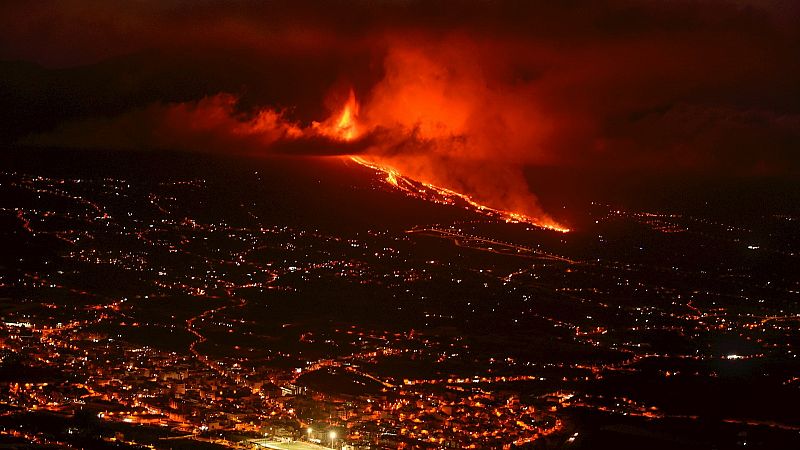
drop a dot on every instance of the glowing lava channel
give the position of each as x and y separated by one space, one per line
437 194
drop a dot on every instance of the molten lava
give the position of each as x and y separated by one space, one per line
344 126
437 194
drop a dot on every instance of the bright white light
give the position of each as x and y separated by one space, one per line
332 435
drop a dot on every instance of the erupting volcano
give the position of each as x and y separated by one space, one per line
344 126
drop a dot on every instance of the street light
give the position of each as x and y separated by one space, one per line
332 435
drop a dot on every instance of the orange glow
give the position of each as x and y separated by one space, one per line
435 131
344 125
437 194
347 126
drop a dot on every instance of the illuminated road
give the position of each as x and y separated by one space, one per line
463 240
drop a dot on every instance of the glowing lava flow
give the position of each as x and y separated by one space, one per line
437 194
345 127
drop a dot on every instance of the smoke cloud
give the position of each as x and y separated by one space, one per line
213 124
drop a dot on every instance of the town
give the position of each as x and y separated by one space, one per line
153 327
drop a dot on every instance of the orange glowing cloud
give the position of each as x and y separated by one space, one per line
211 124
436 118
